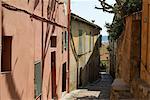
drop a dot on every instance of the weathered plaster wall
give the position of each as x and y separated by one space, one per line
27 47
19 83
145 68
130 59
123 51
84 65
112 56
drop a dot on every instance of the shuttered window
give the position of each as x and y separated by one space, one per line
64 41
38 79
53 41
90 41
80 42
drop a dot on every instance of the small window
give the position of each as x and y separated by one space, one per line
53 41
6 53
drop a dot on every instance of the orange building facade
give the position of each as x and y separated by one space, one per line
132 58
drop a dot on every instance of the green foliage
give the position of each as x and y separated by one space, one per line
109 48
103 65
130 6
115 29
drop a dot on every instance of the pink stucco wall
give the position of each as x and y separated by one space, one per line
26 50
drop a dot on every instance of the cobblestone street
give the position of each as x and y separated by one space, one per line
98 90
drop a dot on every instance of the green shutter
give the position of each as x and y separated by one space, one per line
66 40
62 42
38 79
90 41
80 42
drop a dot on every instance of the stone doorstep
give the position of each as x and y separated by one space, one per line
129 99
120 85
121 90
123 96
141 88
144 87
63 94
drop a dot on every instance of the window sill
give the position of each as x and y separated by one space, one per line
6 72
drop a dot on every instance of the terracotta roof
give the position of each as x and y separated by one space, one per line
76 17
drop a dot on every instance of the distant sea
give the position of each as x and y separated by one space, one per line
104 38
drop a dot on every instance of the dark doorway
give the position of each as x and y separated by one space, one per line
53 72
64 77
80 77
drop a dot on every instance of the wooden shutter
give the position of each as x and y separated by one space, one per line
38 79
80 42
6 53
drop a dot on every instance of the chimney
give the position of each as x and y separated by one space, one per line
93 21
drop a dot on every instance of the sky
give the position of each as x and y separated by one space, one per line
86 9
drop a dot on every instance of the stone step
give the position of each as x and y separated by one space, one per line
120 85
125 95
120 91
129 99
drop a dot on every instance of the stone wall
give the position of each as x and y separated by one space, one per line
128 59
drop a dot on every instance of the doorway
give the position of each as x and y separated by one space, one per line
64 77
53 72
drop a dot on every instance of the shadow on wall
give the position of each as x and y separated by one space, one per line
9 78
90 72
12 87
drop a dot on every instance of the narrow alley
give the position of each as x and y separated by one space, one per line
74 49
98 90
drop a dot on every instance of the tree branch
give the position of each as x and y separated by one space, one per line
106 10
105 6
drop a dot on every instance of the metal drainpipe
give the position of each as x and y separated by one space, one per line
42 52
0 35
68 69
